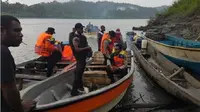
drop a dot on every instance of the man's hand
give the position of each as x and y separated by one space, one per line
28 106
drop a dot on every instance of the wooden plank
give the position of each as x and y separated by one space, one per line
34 69
176 73
31 77
96 66
58 63
55 95
97 63
95 72
176 79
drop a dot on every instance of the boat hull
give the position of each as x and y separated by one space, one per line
100 103
102 99
186 57
162 76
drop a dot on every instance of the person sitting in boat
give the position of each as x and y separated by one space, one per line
67 53
107 45
118 62
99 36
45 47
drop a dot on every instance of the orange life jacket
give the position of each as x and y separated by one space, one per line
119 60
67 54
43 46
110 46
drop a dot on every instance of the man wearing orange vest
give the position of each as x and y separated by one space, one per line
118 62
107 45
46 47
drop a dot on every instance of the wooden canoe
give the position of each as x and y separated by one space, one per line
35 70
53 94
168 75
182 52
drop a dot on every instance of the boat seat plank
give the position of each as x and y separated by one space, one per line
96 66
97 72
68 86
45 69
97 63
55 95
177 72
58 63
180 80
31 77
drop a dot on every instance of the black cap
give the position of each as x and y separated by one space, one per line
51 30
78 25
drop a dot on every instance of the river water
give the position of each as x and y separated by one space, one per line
142 88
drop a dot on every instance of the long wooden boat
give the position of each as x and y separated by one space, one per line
184 53
35 70
53 94
168 75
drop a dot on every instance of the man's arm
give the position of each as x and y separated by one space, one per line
76 43
12 96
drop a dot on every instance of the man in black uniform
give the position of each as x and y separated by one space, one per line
99 36
10 36
80 48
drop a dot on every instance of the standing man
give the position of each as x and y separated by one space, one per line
47 49
10 36
80 48
99 36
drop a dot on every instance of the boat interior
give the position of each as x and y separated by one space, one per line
35 70
58 87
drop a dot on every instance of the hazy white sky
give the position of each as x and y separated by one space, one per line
148 3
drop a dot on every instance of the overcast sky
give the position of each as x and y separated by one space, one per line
148 3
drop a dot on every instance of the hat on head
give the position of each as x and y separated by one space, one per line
78 25
51 30
117 29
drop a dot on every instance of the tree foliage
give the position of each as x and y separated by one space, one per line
183 8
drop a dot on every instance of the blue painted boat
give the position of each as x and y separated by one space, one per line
183 52
177 41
